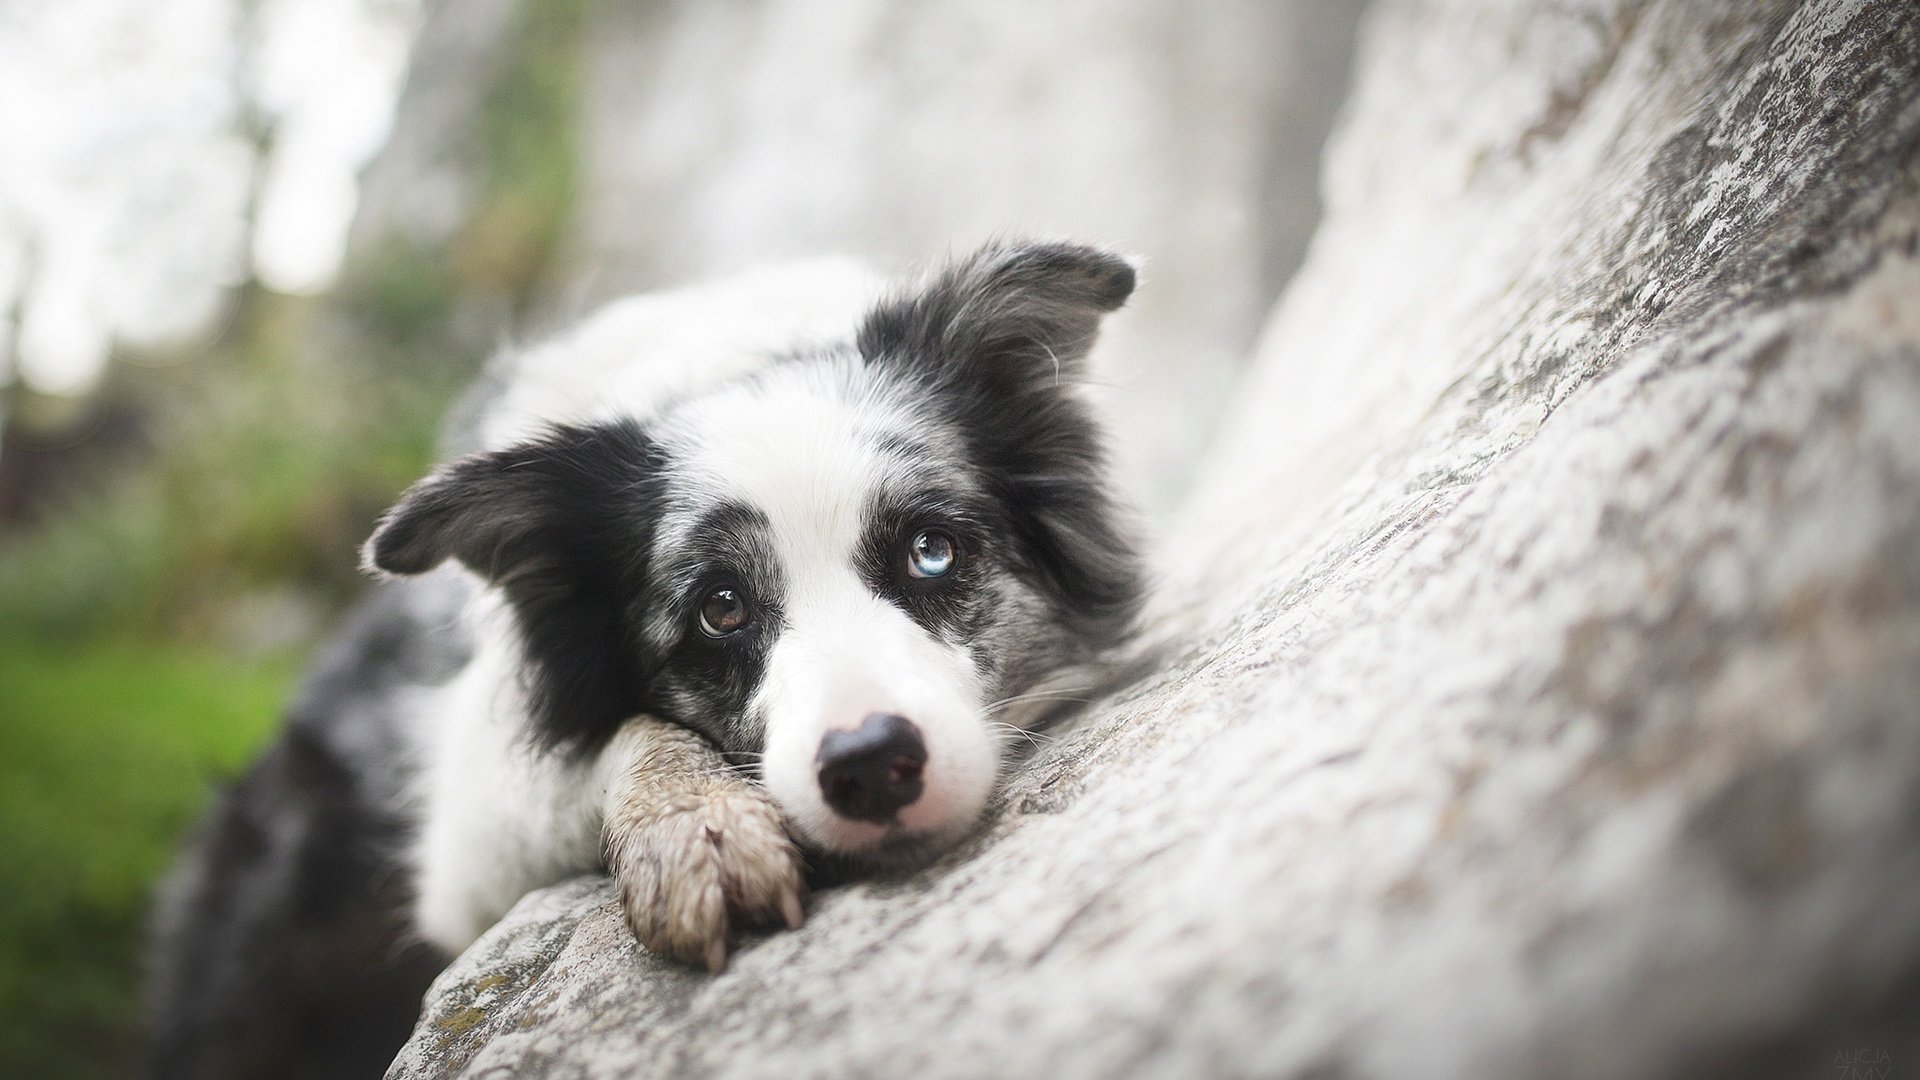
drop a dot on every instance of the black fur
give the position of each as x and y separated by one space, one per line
950 607
704 683
281 942
998 338
562 525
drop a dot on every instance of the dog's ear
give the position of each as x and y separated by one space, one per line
498 511
1016 311
560 524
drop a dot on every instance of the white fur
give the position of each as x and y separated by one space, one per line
796 456
844 654
632 355
499 819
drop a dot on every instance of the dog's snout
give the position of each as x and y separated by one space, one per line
869 773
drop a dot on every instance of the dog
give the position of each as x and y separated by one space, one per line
738 578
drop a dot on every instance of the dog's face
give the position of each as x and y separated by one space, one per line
845 567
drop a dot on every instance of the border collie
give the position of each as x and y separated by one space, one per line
753 573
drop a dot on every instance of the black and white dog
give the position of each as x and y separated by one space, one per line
764 568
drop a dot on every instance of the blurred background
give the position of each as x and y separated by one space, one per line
251 250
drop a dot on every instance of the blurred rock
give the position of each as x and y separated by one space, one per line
423 184
719 136
714 138
1536 685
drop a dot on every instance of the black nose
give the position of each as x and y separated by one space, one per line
874 770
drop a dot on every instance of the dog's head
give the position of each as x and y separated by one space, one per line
846 566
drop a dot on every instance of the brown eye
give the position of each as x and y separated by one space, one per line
931 554
724 611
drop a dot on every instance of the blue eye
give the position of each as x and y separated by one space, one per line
932 554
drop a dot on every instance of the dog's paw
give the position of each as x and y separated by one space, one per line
690 867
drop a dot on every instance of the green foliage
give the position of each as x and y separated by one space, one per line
532 155
401 295
271 462
507 248
131 677
126 687
105 756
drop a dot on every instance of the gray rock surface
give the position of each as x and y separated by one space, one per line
1536 690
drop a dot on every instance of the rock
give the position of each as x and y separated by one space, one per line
716 137
423 184
1536 690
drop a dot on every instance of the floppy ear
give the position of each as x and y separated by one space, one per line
561 525
1007 311
999 340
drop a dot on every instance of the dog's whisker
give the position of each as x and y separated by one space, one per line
1049 697
1034 738
1039 694
1064 694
